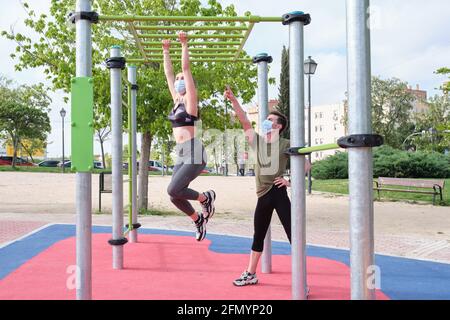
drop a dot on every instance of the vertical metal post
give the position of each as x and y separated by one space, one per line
262 60
360 159
309 131
83 179
117 179
296 21
63 166
132 78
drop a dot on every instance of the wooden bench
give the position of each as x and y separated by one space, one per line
436 186
105 186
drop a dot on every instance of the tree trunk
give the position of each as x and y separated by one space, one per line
146 143
103 151
15 146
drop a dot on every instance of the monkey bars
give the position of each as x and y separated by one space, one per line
213 39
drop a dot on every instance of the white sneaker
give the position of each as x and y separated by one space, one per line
208 207
200 225
246 278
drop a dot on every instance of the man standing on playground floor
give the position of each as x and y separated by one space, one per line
271 187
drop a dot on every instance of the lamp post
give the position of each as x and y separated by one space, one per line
412 135
62 112
310 67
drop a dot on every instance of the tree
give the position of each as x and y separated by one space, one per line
283 96
445 71
391 110
32 146
435 123
55 53
23 114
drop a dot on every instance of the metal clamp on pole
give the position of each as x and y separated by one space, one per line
296 16
118 242
91 16
134 87
294 151
361 141
116 63
134 226
262 57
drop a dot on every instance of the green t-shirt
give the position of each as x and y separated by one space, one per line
268 167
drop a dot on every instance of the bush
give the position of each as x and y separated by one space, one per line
388 162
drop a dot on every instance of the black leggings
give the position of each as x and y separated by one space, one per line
277 199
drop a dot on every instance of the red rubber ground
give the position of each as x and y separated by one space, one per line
169 268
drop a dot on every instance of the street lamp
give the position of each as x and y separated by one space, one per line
310 67
62 112
412 135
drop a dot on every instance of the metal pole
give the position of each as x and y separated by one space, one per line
63 166
309 131
225 145
83 179
360 159
297 115
262 60
132 78
117 179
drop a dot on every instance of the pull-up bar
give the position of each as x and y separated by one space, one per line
128 18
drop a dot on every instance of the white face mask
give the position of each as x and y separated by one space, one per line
180 86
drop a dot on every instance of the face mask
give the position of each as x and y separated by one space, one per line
180 86
267 126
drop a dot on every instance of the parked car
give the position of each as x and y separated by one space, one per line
49 163
68 164
153 165
7 161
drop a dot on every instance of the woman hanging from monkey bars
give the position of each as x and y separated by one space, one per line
191 155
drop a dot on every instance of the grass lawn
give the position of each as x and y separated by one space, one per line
341 187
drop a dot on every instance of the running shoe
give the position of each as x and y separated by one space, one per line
246 278
200 225
208 207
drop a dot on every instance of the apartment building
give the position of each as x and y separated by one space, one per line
327 126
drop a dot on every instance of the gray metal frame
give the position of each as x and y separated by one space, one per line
360 159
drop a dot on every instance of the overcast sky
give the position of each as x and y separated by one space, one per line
410 40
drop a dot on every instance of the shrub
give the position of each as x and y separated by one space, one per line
388 162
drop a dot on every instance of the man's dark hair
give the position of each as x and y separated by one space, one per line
282 119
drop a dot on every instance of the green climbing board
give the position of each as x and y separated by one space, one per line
82 124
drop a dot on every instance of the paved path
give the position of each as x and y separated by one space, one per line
30 200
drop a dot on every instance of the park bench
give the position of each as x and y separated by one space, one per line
435 187
105 186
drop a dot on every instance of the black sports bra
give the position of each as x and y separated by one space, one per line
180 118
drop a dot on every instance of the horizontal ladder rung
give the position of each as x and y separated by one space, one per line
188 28
191 36
195 43
231 49
131 60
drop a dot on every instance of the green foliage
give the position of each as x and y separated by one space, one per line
437 117
333 167
55 53
388 162
283 89
391 110
445 71
23 113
